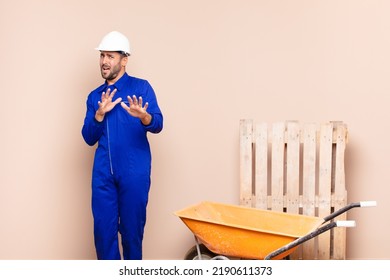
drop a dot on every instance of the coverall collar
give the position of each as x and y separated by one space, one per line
120 84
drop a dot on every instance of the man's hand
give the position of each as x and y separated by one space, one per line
137 109
106 104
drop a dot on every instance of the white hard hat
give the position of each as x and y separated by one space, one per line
116 42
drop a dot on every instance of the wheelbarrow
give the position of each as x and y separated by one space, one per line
224 231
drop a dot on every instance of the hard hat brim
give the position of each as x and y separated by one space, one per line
106 50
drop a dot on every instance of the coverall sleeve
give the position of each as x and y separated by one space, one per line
156 124
92 129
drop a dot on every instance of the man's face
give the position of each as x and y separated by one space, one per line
111 64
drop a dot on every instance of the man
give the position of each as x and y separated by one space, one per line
122 163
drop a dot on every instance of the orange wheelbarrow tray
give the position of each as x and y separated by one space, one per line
250 233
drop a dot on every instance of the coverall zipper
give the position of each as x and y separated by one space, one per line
109 149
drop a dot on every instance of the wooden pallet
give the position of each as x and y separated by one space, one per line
296 168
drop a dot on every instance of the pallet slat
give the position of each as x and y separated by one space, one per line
292 166
339 238
309 182
261 163
277 166
246 162
325 185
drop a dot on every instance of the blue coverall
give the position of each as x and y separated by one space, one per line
121 169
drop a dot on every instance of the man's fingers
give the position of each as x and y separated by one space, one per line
108 94
119 99
130 100
135 101
124 106
111 95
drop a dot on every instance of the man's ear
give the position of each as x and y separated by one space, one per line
124 61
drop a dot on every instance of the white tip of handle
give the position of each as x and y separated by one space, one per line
367 203
346 223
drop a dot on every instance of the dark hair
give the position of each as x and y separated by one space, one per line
123 53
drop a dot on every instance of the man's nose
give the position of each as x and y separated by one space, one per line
104 60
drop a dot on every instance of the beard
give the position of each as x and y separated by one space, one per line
110 73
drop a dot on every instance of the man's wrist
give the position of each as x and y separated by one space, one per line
147 119
99 117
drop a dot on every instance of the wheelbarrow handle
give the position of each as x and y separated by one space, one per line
348 207
367 203
345 223
325 227
309 236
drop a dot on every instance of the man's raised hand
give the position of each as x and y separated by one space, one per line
137 109
106 104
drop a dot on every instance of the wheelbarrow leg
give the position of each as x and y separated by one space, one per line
198 247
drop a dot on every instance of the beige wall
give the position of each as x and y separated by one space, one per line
211 64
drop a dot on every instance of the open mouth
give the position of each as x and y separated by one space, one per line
105 68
